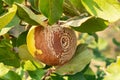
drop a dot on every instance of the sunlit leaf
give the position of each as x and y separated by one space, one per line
32 65
113 71
106 9
3 69
10 25
82 57
52 9
29 66
6 18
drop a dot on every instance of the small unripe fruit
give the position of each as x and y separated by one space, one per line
52 45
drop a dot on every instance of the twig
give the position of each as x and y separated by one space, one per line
50 71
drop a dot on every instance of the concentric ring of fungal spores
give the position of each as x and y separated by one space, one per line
55 45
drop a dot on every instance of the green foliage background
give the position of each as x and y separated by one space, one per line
97 27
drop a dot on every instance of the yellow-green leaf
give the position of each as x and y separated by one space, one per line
3 69
106 9
24 53
113 71
10 25
29 66
6 18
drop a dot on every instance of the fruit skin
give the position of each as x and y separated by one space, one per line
52 45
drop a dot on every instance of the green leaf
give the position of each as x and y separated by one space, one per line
101 44
6 18
10 25
37 74
5 43
89 74
3 69
35 4
69 9
78 5
28 16
1 79
116 42
8 57
100 73
1 7
106 9
56 77
28 65
109 61
95 36
24 53
11 75
113 71
98 55
10 2
82 57
21 39
52 9
77 76
90 25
